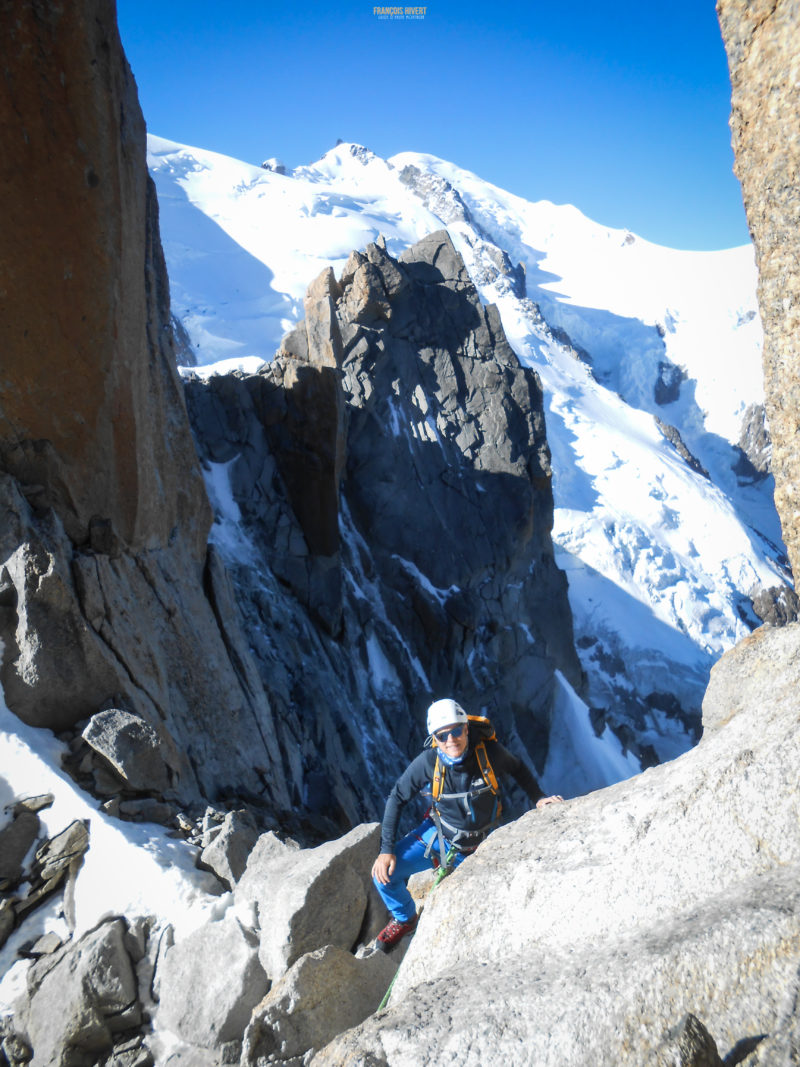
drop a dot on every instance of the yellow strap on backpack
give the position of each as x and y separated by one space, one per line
438 779
486 768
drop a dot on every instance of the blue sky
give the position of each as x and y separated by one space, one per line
619 109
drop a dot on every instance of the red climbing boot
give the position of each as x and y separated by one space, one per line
394 932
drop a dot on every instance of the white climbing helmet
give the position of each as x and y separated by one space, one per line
444 713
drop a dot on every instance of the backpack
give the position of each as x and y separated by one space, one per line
466 840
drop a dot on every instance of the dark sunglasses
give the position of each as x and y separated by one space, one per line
454 731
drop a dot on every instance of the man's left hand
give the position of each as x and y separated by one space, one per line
542 802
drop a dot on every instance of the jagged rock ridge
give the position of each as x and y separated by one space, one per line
409 520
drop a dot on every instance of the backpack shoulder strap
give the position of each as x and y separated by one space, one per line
438 778
486 768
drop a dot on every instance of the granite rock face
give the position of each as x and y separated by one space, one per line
107 594
383 502
614 916
764 62
91 407
322 994
79 997
209 983
303 900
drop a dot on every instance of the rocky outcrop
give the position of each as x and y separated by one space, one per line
491 263
131 984
226 854
107 598
80 997
91 409
209 983
755 445
322 994
277 976
777 605
613 916
304 900
131 747
397 544
761 41
27 881
672 434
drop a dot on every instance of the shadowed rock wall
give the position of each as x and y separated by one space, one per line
761 40
383 502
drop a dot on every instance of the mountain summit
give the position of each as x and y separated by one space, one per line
650 365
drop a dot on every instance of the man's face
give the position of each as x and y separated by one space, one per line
452 745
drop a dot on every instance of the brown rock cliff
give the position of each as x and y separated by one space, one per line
108 595
761 38
91 408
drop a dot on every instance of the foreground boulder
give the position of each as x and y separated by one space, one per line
209 983
53 867
132 747
226 855
80 997
16 838
603 922
307 899
322 994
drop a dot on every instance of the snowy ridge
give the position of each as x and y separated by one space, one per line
660 558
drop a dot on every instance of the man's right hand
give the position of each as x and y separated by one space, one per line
383 867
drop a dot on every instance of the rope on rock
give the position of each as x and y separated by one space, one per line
444 869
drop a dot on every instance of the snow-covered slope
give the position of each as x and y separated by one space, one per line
660 557
130 869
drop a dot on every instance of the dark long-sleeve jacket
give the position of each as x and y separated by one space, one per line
459 778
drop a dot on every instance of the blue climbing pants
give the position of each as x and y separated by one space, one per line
411 858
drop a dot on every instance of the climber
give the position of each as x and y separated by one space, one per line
457 769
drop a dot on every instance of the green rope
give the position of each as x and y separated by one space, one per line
443 872
447 869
